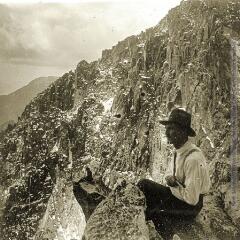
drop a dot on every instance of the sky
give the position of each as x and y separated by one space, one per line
48 38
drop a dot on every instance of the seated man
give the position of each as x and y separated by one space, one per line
187 177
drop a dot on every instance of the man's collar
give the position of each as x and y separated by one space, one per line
184 147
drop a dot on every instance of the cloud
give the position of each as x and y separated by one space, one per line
60 34
53 34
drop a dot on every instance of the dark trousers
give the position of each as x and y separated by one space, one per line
163 207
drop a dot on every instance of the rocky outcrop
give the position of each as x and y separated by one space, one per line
105 117
63 218
121 205
29 159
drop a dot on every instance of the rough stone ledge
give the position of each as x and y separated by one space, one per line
121 216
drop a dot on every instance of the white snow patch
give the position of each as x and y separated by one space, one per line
141 45
97 127
182 108
71 114
110 72
145 77
204 130
164 30
211 143
108 138
99 80
98 123
102 72
107 104
56 147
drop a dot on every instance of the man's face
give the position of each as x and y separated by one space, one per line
175 135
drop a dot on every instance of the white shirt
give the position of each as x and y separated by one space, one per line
193 173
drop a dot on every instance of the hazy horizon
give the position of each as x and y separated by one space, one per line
49 39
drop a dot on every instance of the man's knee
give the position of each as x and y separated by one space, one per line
142 184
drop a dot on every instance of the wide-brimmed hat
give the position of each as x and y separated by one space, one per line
182 119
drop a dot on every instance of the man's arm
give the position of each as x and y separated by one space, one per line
171 181
191 192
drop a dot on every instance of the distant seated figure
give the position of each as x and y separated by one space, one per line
186 179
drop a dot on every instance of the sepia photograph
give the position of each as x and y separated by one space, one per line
119 120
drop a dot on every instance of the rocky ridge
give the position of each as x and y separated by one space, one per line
105 115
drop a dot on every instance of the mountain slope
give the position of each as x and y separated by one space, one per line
13 104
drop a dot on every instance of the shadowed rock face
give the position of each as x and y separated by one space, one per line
88 197
105 117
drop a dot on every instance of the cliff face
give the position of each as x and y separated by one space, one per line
105 117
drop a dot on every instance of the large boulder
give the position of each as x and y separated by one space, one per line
119 216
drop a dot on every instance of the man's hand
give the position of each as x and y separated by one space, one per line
171 181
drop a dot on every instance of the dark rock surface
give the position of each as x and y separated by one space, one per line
105 117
